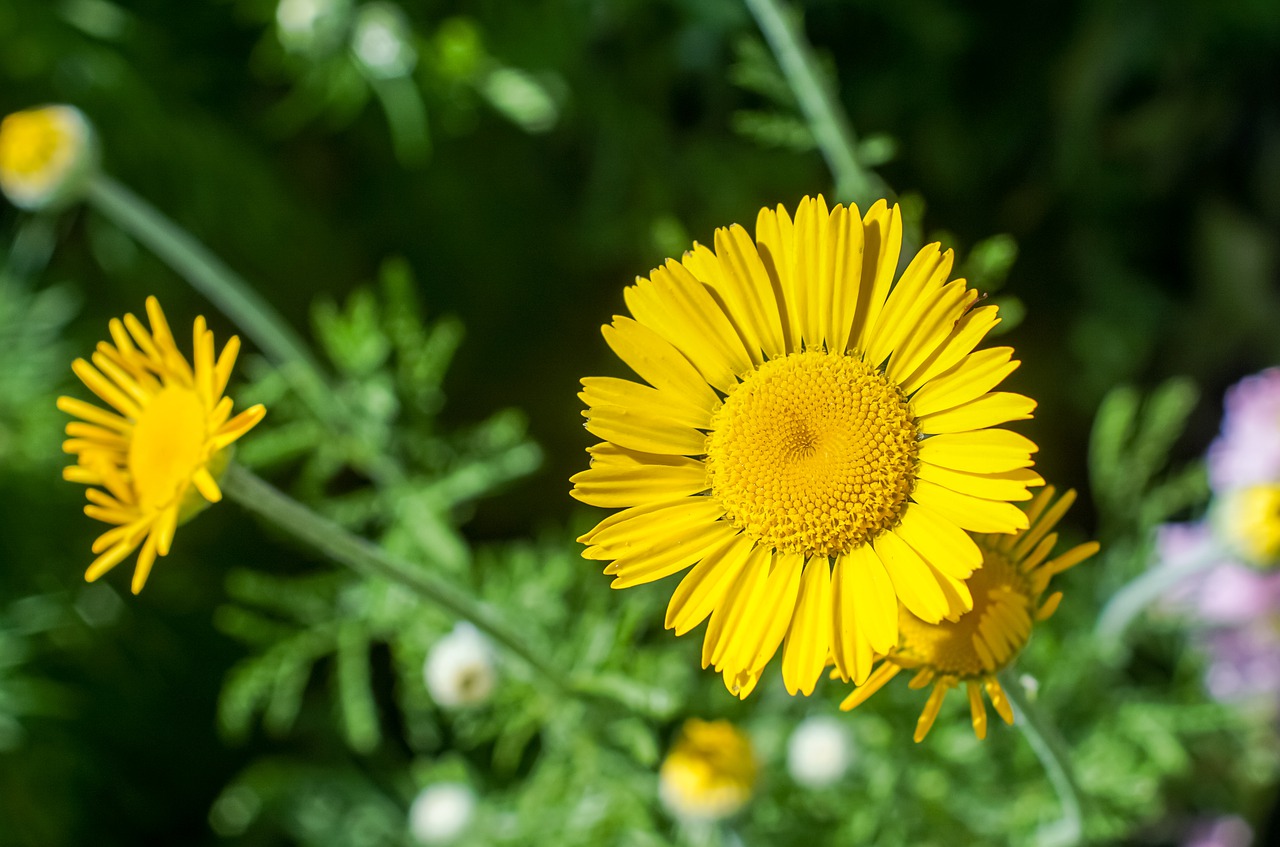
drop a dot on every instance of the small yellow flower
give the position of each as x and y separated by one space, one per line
974 647
154 456
1249 519
814 443
46 155
709 773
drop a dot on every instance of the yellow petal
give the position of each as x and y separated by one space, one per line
980 451
641 399
969 379
971 513
672 556
882 245
636 478
638 430
945 546
936 321
865 611
908 300
874 683
748 292
913 581
704 587
732 618
641 529
775 238
1010 485
970 329
991 409
659 364
809 638
673 303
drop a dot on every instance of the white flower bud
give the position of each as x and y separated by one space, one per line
441 812
460 670
819 752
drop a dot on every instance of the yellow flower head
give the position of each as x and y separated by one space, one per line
814 439
1008 597
709 773
45 155
1249 519
155 454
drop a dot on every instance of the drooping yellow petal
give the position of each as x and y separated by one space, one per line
809 638
704 587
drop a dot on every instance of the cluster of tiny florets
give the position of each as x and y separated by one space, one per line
814 453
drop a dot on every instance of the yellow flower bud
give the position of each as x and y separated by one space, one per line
46 156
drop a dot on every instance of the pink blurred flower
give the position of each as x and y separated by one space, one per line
1247 450
1225 831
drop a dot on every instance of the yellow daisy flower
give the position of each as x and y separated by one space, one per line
972 649
710 772
814 439
45 155
156 453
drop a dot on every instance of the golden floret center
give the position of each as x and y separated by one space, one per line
980 642
169 444
813 452
29 142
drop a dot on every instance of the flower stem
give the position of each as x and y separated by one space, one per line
367 559
827 121
1130 601
212 278
1052 753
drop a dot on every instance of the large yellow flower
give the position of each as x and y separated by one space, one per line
1008 597
814 440
156 453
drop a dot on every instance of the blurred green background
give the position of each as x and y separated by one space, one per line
526 160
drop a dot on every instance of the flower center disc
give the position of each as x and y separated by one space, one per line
983 640
168 445
813 453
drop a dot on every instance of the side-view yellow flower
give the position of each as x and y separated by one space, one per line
710 772
1008 598
814 439
155 454
45 155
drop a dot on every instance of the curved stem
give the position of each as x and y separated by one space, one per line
1134 597
212 278
1052 753
827 121
367 559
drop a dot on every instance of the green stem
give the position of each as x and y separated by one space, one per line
212 278
1130 601
1052 753
827 121
368 559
